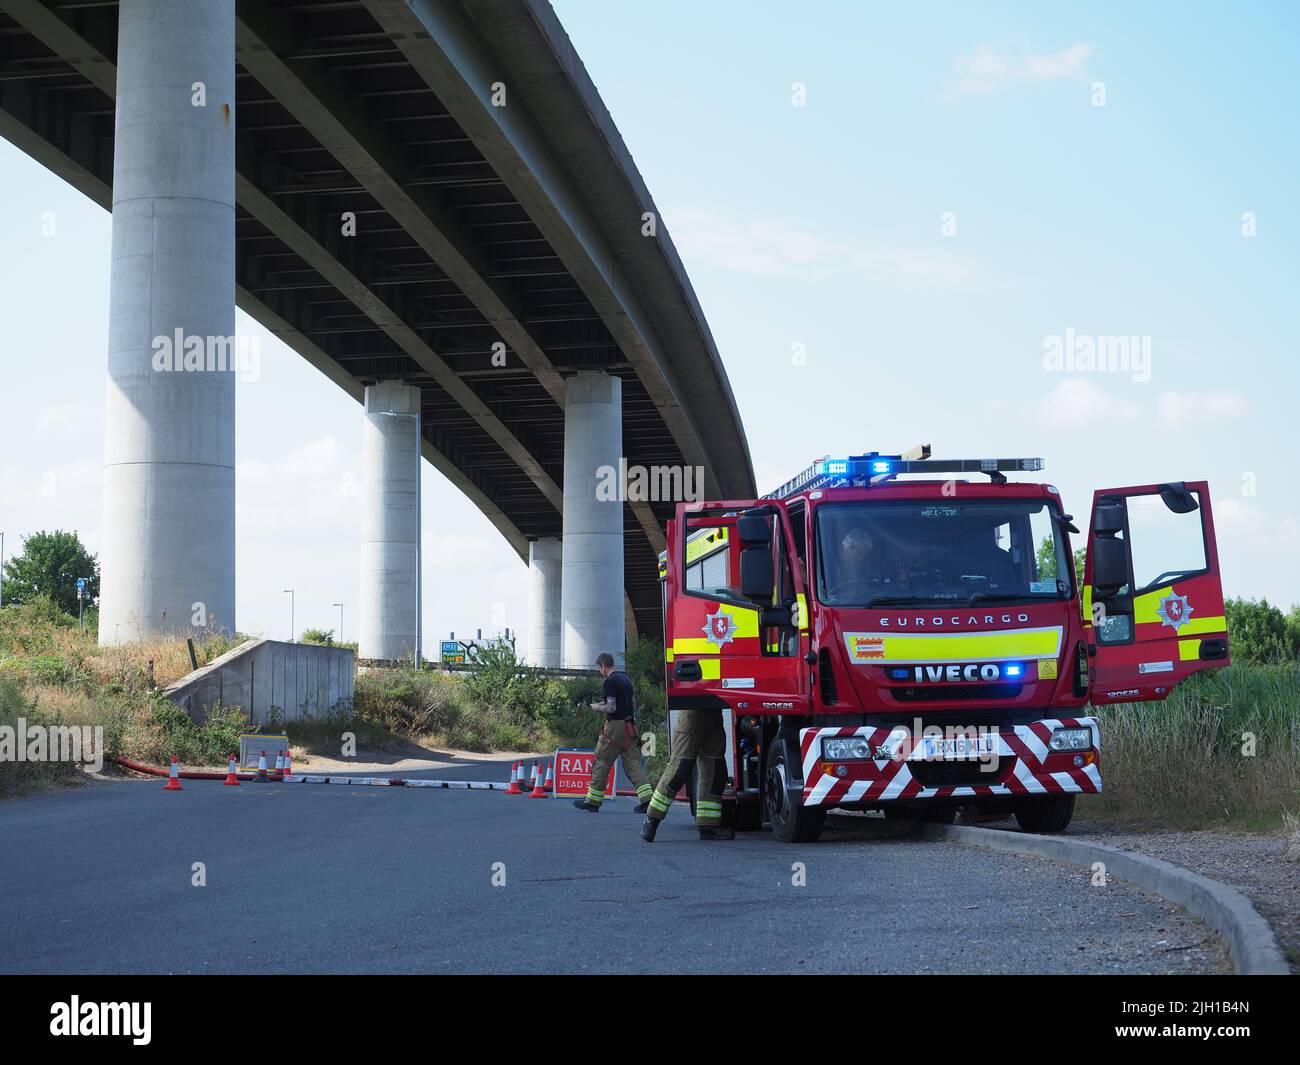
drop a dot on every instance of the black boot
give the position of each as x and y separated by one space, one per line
716 832
584 804
643 807
649 829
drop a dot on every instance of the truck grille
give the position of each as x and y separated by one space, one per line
934 693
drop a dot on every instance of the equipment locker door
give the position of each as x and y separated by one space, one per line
1152 597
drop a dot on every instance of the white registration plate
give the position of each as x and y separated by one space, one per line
954 748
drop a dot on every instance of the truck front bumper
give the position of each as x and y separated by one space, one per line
1020 763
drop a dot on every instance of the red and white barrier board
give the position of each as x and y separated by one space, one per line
573 774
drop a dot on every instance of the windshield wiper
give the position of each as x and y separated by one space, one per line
904 600
1010 597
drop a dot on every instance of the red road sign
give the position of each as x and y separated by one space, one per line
573 773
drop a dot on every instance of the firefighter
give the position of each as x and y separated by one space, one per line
699 740
618 739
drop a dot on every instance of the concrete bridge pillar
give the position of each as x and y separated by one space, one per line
168 548
591 583
390 523
544 574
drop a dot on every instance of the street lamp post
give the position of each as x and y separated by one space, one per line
340 606
292 629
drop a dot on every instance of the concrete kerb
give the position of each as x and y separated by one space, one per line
1254 948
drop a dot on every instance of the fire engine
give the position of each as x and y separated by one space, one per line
877 642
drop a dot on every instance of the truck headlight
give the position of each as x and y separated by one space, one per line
1071 739
845 749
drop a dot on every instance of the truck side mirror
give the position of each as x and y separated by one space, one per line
753 529
1108 519
1109 554
1109 566
757 577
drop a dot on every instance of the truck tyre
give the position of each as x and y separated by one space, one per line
790 823
1044 813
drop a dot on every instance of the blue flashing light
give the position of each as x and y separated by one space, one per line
1015 670
899 674
878 466
837 466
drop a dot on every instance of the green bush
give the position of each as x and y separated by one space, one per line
1260 632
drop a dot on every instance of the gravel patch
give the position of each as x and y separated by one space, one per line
1254 863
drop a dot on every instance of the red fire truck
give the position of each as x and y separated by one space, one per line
915 646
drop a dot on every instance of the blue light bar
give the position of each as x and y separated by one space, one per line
880 467
1014 670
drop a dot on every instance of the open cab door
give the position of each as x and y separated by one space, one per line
1152 599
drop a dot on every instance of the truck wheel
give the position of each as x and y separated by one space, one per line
790 823
1049 813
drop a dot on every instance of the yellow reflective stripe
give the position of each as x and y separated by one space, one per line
1189 650
888 647
704 542
744 624
642 791
710 669
802 605
659 801
668 655
1085 607
1195 626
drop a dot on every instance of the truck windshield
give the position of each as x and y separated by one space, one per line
925 552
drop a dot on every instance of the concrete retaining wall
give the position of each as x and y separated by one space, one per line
299 680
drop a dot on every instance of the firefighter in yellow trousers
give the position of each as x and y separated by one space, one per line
699 740
618 739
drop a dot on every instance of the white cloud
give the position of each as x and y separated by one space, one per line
777 248
994 68
1077 403
1179 409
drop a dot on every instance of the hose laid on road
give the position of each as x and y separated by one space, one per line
187 774
330 778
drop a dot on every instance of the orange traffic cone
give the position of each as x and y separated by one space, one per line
288 764
532 775
514 788
278 771
174 781
232 778
539 784
550 781
261 767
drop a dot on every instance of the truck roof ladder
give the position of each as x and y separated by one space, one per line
862 471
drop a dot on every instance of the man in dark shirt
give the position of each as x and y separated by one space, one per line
618 739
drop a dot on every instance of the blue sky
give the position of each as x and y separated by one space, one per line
822 225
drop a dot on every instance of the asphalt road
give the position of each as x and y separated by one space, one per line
339 878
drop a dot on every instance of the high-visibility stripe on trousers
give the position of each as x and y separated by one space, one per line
699 741
617 742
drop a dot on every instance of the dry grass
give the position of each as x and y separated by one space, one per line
1291 827
1223 749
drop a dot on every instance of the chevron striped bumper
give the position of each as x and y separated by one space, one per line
1021 763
